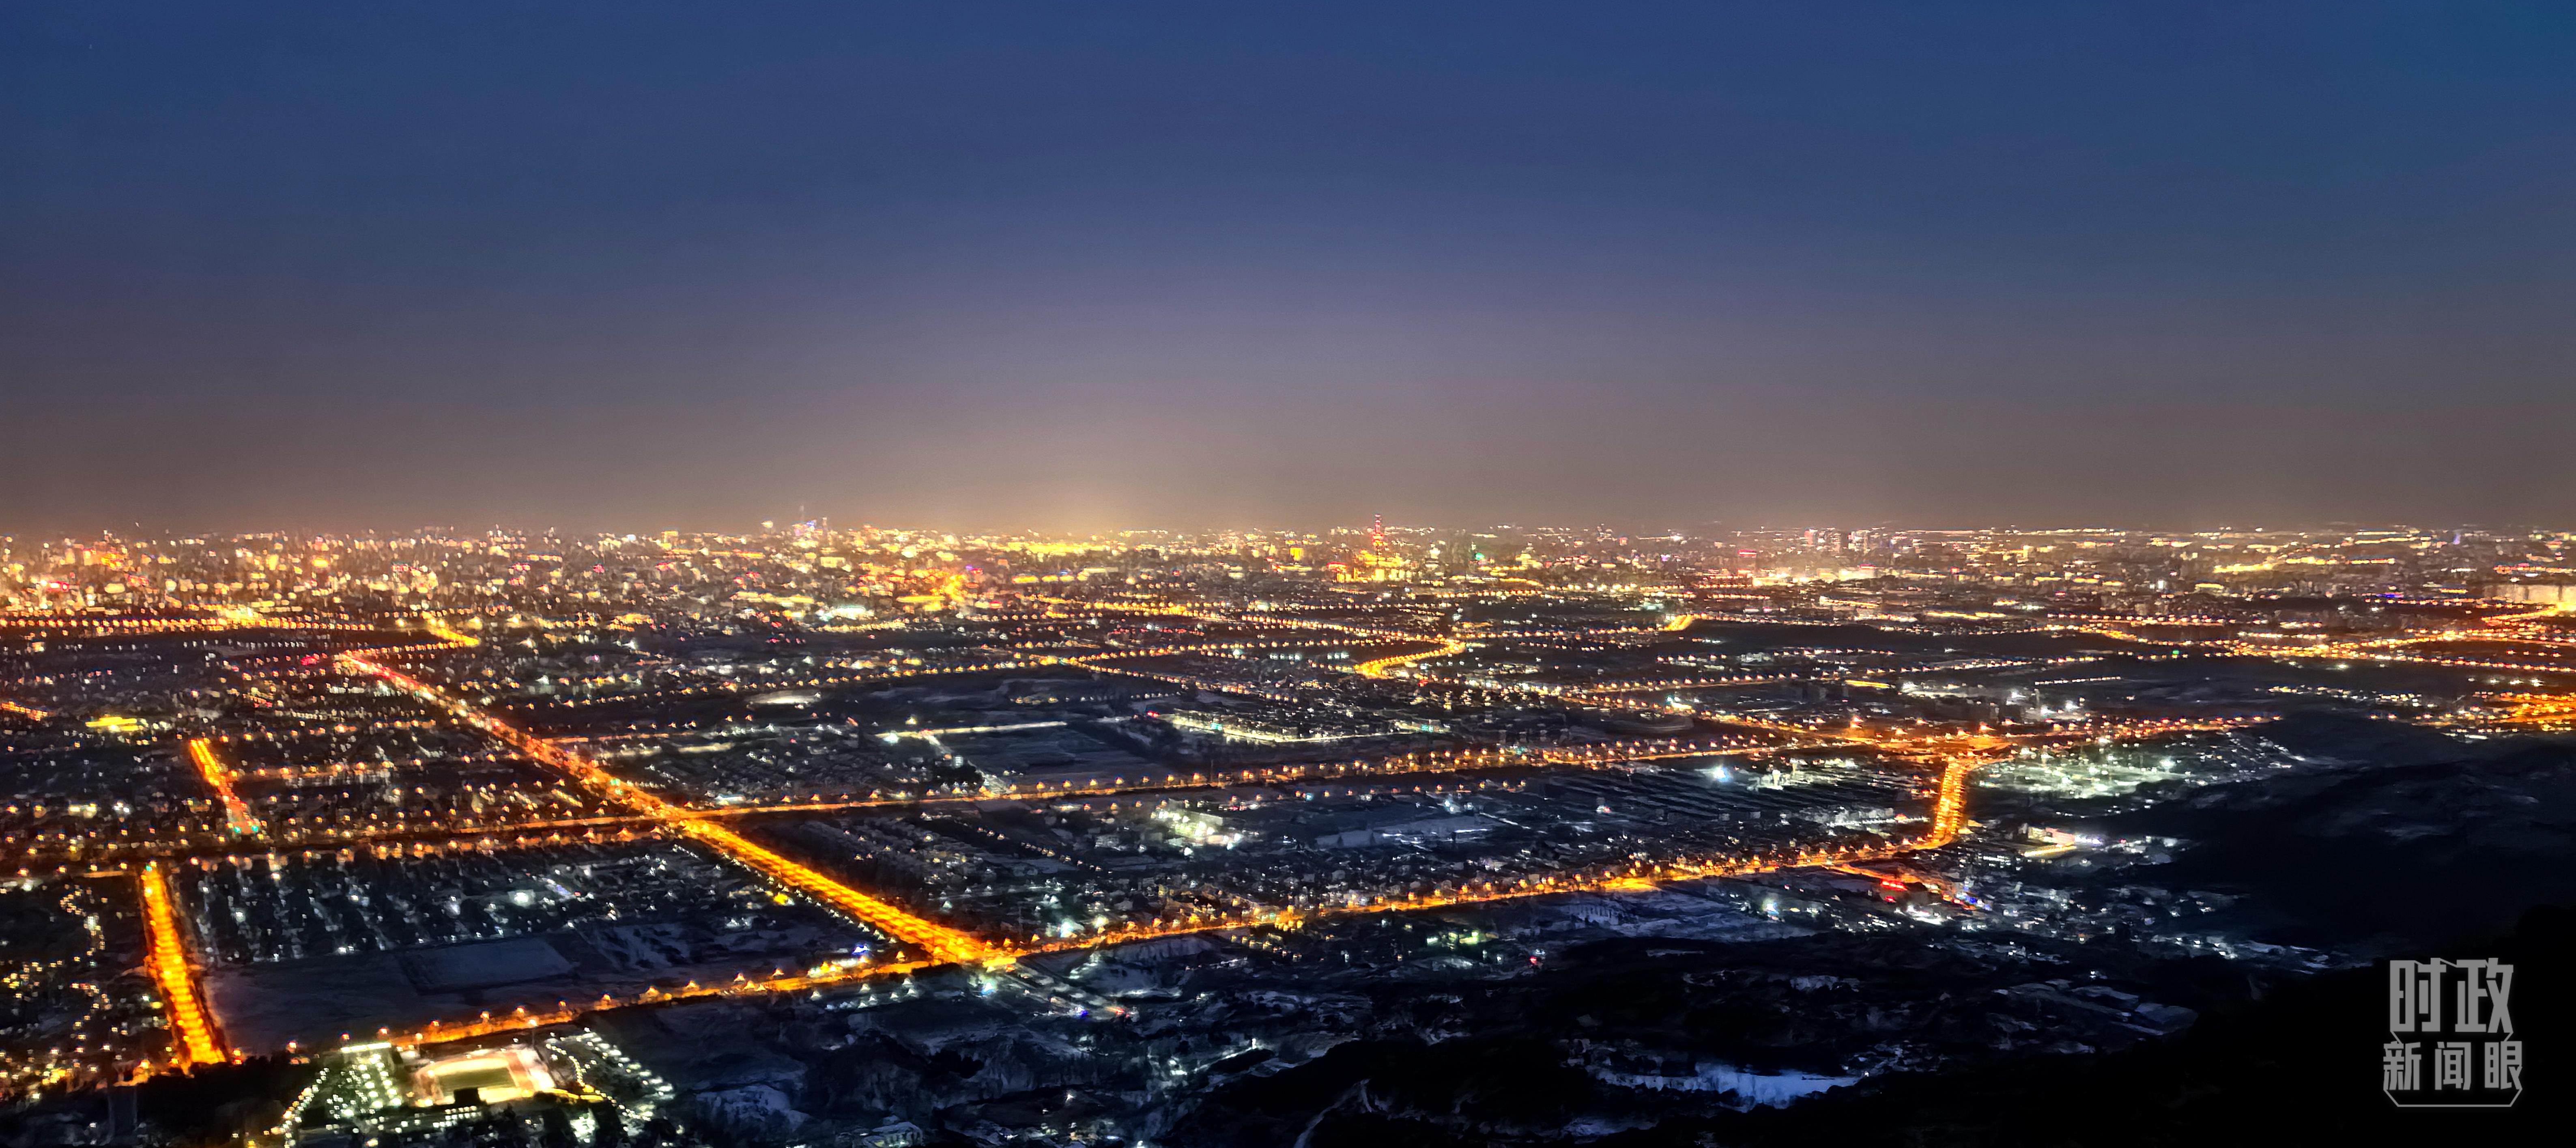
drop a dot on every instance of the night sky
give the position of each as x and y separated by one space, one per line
1091 265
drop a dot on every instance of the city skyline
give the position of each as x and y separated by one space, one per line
1124 534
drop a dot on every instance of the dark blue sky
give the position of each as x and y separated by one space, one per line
1093 264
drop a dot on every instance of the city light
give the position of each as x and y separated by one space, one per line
192 1031
1131 732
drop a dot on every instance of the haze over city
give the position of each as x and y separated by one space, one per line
1103 266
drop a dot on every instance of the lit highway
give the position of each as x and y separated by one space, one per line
174 973
941 942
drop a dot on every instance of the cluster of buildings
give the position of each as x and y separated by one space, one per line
819 835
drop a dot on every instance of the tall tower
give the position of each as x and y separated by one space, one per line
1377 533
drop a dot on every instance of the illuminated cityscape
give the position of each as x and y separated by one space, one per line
1025 574
598 821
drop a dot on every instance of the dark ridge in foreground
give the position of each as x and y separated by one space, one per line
2300 1049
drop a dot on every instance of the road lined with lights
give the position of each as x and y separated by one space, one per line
1381 667
219 777
940 941
523 1018
192 1030
1594 756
